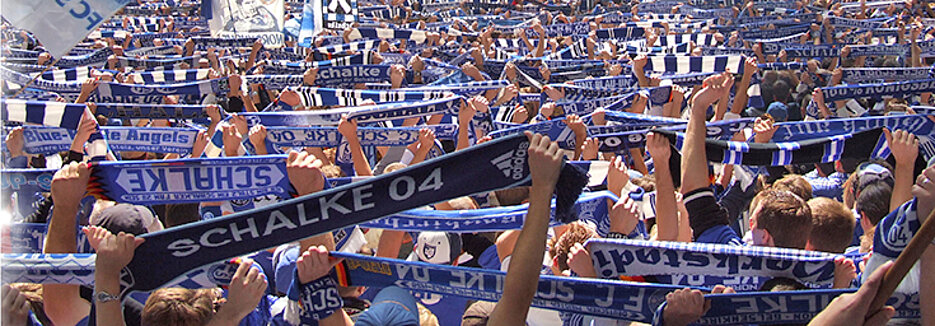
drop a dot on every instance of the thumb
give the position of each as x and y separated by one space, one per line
881 317
138 241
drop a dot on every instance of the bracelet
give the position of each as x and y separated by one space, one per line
616 235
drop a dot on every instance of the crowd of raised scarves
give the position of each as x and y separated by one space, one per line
195 133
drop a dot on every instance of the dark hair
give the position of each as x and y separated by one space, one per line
178 214
873 201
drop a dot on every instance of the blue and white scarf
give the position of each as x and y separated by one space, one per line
313 96
878 90
78 74
590 207
617 257
687 64
51 113
112 92
169 76
861 75
152 111
793 307
612 299
373 113
368 136
469 171
151 139
190 180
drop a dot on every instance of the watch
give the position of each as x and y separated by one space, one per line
102 297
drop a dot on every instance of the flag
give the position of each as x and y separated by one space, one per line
60 25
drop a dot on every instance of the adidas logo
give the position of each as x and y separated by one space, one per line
502 162
511 163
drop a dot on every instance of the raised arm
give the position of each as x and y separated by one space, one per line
63 304
905 148
667 214
348 129
545 161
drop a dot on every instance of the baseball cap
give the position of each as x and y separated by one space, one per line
129 218
392 306
868 173
779 111
437 247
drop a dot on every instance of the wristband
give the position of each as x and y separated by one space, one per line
319 298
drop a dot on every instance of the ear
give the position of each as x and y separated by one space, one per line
768 238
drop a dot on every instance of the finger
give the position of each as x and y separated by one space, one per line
19 300
242 270
5 292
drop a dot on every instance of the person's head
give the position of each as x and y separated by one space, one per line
560 246
178 214
825 169
332 171
477 314
782 91
832 225
129 218
778 111
780 219
795 184
394 167
391 306
179 307
438 247
873 202
512 196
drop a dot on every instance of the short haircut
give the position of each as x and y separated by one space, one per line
578 232
796 184
786 217
178 306
873 201
832 227
332 171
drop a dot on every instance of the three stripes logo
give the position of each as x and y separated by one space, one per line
512 162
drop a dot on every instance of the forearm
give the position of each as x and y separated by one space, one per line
741 97
463 140
523 277
641 77
111 312
420 154
667 215
390 242
361 166
540 48
580 137
902 186
694 161
639 163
